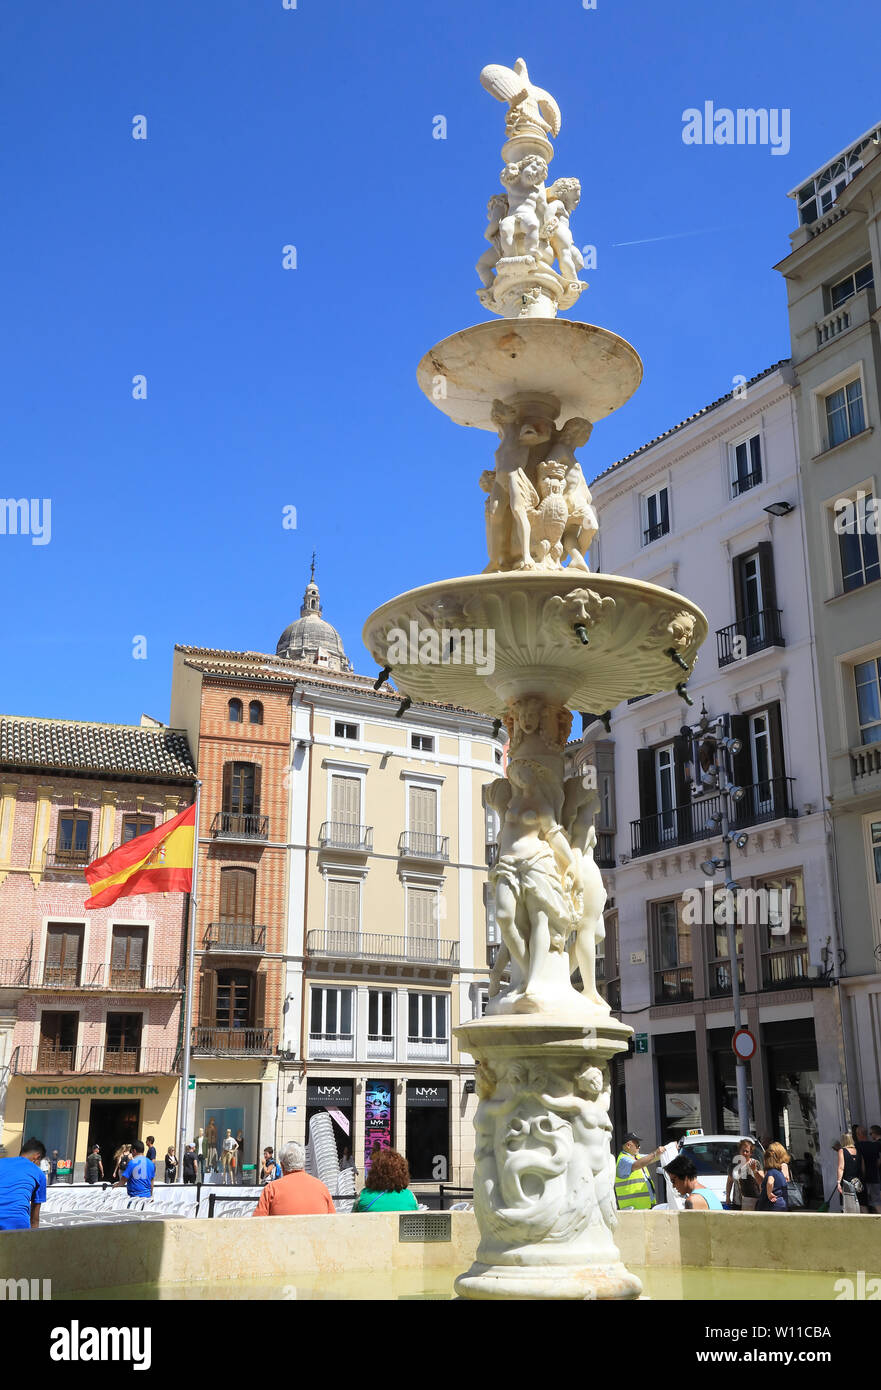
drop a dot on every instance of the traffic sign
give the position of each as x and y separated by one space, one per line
191 1083
744 1044
641 1042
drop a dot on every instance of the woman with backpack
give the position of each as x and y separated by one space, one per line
745 1176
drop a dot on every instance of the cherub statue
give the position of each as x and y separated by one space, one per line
520 231
563 198
528 105
580 806
511 494
582 526
496 209
548 520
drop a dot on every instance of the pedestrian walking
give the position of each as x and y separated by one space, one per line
22 1188
682 1172
633 1186
388 1184
774 1196
120 1159
94 1166
170 1164
744 1186
295 1193
850 1175
151 1148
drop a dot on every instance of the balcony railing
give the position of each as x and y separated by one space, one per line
785 969
719 973
604 854
745 481
236 936
48 1059
865 761
233 825
59 856
654 533
331 1045
379 1046
416 844
752 633
38 974
674 986
374 946
772 799
428 1050
233 1042
339 835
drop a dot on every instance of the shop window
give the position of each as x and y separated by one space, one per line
679 1092
428 1130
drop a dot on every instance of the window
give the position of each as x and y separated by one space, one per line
238 888
497 754
746 465
343 912
422 743
234 999
232 1009
241 789
345 809
341 730
665 792
755 605
763 762
331 1013
57 1047
867 680
427 1018
380 1027
655 516
858 543
123 1042
851 284
875 842
844 413
234 711
421 915
422 806
128 957
133 826
719 961
671 953
74 836
64 954
255 712
784 950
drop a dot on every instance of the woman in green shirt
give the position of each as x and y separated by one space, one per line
388 1184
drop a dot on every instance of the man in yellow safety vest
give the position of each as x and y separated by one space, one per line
633 1186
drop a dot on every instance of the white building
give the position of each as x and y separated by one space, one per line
696 510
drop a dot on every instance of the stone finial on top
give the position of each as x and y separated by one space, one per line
528 224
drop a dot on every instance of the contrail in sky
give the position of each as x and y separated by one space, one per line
673 236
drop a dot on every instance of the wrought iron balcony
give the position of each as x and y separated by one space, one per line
375 946
416 844
38 974
50 1059
750 634
340 835
236 936
233 1042
785 969
604 854
719 972
674 986
654 533
63 856
746 481
773 799
234 825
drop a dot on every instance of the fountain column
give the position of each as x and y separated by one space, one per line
532 638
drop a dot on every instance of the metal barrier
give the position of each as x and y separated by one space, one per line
465 1193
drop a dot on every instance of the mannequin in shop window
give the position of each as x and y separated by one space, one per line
229 1159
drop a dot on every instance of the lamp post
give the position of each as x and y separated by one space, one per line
724 749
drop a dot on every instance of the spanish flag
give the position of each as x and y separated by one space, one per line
159 862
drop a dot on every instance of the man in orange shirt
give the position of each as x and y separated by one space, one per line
295 1193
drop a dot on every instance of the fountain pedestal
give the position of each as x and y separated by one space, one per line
543 1169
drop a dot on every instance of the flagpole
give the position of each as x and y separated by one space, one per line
188 1006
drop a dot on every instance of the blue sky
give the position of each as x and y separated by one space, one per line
270 388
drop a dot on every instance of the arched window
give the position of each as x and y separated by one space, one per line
255 712
235 711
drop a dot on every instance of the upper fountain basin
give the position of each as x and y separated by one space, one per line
589 370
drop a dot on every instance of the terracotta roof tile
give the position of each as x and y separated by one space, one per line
71 745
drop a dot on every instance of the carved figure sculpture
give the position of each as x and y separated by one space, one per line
520 230
579 809
548 520
579 608
496 209
511 494
528 106
562 198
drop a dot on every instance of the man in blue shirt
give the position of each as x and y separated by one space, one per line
22 1188
151 1148
138 1174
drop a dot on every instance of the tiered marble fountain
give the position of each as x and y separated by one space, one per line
565 639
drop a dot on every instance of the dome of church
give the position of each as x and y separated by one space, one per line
309 638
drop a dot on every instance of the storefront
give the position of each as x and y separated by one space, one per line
222 1110
379 1118
337 1098
69 1115
790 1050
679 1104
428 1130
724 1082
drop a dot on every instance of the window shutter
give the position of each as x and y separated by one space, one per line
766 570
258 778
775 733
742 763
227 787
208 999
422 914
423 810
342 906
54 948
237 894
737 574
117 950
259 997
345 800
648 795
